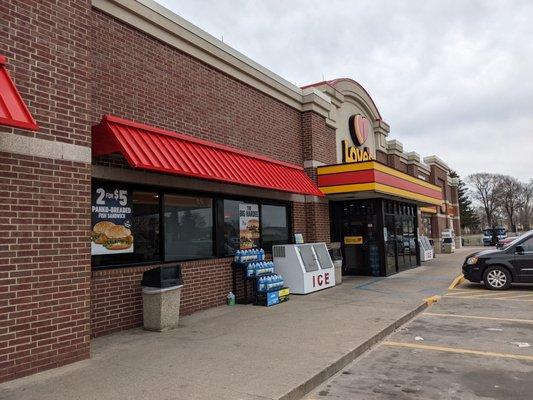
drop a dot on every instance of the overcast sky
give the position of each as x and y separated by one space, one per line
452 78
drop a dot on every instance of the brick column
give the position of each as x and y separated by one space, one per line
319 149
45 264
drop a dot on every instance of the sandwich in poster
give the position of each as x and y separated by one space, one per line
108 237
248 225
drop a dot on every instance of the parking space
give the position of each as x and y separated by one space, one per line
472 344
468 290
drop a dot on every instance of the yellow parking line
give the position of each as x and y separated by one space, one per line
457 281
459 291
519 297
492 294
476 294
525 321
487 298
457 350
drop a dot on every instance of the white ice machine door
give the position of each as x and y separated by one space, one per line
309 258
323 256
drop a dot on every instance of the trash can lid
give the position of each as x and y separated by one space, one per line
155 290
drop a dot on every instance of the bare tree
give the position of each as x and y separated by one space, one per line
511 198
485 189
526 211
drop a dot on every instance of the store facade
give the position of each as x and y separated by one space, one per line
146 141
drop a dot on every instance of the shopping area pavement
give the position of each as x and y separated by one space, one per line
252 352
472 344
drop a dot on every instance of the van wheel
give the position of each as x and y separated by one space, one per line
497 278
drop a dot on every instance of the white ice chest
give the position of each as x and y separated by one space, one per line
305 268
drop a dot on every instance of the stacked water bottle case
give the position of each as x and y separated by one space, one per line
268 287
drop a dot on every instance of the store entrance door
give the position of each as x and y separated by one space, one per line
400 237
353 249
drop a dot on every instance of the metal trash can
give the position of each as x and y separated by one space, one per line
161 292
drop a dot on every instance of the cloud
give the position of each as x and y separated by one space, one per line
452 78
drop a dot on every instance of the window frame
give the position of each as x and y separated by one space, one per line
217 215
287 217
255 200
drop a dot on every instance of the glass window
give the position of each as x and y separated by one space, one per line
145 232
231 226
188 224
274 226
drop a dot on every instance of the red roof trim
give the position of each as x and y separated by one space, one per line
161 131
13 110
155 149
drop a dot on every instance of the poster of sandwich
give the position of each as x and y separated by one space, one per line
111 220
249 225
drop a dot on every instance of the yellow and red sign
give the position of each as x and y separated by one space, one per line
360 128
376 177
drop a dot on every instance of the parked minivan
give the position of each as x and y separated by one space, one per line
497 269
487 235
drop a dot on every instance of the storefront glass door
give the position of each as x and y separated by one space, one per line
400 248
390 245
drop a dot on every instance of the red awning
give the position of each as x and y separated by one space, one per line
156 149
13 110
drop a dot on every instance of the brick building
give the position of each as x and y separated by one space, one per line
137 109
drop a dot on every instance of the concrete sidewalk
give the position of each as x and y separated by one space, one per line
247 352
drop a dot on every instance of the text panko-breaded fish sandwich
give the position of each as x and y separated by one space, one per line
118 238
99 229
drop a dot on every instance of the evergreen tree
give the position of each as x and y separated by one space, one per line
468 215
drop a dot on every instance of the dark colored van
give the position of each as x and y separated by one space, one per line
497 269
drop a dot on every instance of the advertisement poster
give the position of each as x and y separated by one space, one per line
111 220
249 225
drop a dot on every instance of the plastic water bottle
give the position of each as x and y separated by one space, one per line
261 254
262 284
231 299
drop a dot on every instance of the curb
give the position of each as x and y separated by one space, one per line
457 281
306 387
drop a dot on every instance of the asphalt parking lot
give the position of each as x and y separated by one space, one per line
471 344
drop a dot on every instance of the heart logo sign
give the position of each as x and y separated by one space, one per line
359 129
